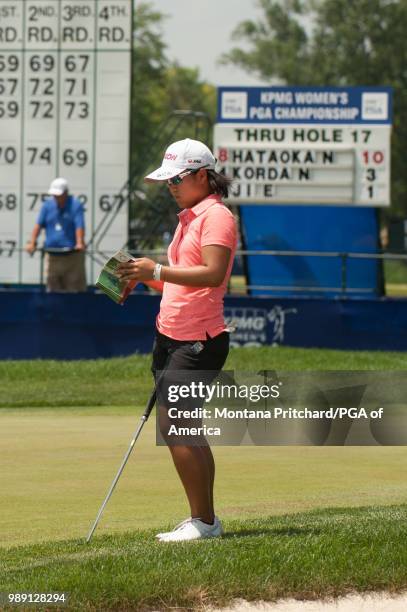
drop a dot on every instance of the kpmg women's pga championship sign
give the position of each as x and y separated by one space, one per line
306 145
65 79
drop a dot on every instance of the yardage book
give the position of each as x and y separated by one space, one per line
108 280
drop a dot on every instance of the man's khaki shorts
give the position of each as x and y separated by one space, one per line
65 272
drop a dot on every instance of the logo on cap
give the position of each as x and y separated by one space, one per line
171 156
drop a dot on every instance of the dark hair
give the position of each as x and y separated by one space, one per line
219 183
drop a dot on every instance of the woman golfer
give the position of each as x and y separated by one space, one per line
191 332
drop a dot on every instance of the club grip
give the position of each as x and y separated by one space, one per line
150 404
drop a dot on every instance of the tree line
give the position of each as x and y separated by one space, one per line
292 42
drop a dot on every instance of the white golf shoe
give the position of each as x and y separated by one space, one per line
160 535
192 529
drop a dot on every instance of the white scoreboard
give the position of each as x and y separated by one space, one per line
299 146
65 88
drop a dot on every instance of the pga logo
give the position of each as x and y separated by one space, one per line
234 105
375 106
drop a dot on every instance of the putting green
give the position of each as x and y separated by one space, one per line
57 466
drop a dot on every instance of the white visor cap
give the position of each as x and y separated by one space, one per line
183 155
58 187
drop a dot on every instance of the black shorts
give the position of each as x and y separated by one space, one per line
185 362
170 354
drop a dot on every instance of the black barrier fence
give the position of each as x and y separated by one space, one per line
238 285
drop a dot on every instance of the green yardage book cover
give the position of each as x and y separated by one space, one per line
108 280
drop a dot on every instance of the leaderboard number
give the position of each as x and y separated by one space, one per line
75 158
36 199
8 201
43 87
7 247
376 157
9 63
361 136
8 110
371 177
8 86
77 86
83 199
108 202
41 110
45 63
372 157
76 63
77 110
8 155
39 156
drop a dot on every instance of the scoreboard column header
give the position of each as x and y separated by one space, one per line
65 23
349 105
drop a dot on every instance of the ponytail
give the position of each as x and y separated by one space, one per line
219 183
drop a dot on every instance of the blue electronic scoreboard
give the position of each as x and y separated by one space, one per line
310 166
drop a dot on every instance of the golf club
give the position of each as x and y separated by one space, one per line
144 418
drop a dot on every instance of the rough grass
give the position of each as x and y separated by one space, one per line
127 380
308 555
57 465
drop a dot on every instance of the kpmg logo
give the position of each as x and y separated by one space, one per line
234 105
257 326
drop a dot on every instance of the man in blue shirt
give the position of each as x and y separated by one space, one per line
62 217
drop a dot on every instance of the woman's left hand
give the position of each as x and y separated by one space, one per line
138 269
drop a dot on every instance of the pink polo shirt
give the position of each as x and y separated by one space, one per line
189 313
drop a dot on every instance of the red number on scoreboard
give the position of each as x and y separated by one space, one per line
223 155
377 157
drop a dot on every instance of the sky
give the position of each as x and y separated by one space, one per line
197 33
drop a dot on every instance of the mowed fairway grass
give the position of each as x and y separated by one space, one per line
301 521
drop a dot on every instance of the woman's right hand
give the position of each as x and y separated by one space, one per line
140 269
